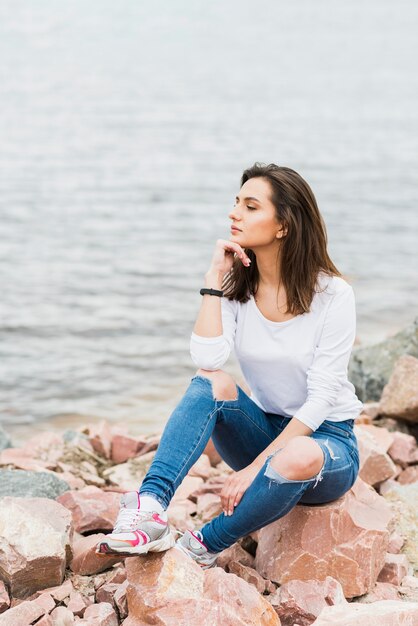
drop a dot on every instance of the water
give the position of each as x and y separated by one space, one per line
124 130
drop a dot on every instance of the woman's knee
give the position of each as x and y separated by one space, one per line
223 385
300 459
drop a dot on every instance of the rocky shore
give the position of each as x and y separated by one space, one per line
342 564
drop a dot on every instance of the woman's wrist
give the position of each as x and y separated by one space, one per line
213 279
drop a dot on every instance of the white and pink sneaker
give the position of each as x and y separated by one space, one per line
138 530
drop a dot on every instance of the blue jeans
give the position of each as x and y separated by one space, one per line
240 431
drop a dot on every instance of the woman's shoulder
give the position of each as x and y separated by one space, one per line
332 285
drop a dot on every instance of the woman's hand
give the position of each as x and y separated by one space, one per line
223 256
235 486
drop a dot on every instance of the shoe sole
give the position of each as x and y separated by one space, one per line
160 545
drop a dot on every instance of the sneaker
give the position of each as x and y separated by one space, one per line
136 531
191 543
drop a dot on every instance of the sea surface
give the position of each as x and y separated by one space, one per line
124 129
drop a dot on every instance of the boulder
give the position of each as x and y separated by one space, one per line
179 512
346 539
92 509
39 453
35 535
25 484
250 575
382 437
375 465
208 506
301 601
239 599
201 468
234 553
383 613
371 366
400 395
395 568
102 614
23 614
61 616
86 561
5 441
4 597
381 591
124 447
130 475
403 449
403 499
408 475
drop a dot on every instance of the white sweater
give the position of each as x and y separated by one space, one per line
296 368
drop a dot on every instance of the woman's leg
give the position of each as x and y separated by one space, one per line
272 495
240 431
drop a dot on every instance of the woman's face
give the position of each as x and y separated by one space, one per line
255 216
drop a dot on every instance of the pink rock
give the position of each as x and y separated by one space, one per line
234 553
381 591
100 437
34 547
78 603
408 475
212 453
382 437
120 600
61 592
46 620
85 559
74 482
212 485
102 614
394 569
23 614
395 543
124 447
188 486
129 475
239 597
159 579
404 449
208 506
179 512
191 612
363 418
400 395
302 601
114 594
61 616
383 613
201 468
372 409
375 465
4 597
39 453
91 508
118 575
46 601
346 539
250 575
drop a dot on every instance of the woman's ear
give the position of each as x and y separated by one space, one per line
282 232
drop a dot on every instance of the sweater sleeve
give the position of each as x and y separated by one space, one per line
210 353
330 362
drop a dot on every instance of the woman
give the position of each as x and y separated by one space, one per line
273 294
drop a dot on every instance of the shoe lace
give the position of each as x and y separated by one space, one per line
128 519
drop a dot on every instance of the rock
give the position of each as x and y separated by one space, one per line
100 437
239 598
4 597
395 543
46 601
35 535
250 575
23 614
61 616
187 487
403 499
46 620
383 613
208 506
5 441
124 447
301 601
121 601
78 603
381 591
400 395
39 453
130 475
24 484
61 592
92 509
372 409
159 579
408 588
234 553
395 568
102 614
179 512
409 475
201 468
382 437
371 367
86 561
346 539
403 449
115 594
375 465
211 452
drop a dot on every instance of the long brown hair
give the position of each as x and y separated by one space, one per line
303 248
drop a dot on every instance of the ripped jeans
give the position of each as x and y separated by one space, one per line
240 431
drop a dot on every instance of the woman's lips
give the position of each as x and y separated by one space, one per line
233 228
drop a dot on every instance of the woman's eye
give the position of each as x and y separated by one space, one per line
251 207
